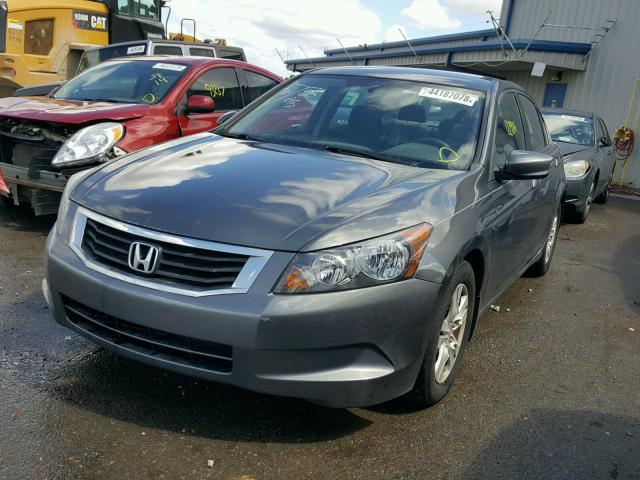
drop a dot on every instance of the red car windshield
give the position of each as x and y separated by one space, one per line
125 81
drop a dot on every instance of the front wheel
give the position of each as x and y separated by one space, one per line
447 338
582 213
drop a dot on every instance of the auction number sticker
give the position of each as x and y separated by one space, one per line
170 66
573 118
449 96
136 49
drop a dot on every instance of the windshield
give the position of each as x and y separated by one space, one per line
421 124
574 129
123 82
91 58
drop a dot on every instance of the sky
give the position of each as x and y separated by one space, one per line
296 28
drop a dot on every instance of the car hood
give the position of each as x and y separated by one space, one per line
67 111
261 195
569 148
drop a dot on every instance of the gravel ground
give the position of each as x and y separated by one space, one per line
550 389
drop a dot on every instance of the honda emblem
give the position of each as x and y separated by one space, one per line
143 258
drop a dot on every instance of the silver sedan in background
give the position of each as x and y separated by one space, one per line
587 154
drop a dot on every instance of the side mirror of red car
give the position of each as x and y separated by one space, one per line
200 104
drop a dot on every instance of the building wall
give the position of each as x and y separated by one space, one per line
607 84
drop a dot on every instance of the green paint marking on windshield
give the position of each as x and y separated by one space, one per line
148 98
452 154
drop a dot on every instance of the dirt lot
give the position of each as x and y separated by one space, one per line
550 389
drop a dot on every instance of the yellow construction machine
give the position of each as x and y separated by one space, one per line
42 41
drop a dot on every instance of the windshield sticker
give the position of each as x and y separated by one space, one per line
573 118
510 127
170 66
89 21
148 98
214 90
449 96
15 24
136 49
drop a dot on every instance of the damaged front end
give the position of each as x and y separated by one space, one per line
27 149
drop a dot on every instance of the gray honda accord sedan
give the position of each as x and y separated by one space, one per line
335 241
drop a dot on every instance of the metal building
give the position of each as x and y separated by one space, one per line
588 49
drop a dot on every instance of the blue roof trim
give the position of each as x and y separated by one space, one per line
536 46
417 41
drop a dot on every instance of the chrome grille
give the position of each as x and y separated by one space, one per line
177 264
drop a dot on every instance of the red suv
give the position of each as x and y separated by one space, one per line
115 108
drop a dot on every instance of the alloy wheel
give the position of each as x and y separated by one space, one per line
452 333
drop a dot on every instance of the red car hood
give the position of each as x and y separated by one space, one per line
68 111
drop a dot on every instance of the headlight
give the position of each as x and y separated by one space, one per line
63 223
576 169
89 145
383 260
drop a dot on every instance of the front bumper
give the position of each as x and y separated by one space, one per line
577 191
342 349
42 193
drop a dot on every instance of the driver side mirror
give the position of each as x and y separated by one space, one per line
605 142
200 104
225 117
524 165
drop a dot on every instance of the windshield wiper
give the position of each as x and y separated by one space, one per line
372 155
108 100
239 136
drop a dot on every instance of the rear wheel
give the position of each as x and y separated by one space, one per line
539 268
447 338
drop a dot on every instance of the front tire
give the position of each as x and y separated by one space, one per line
582 213
447 338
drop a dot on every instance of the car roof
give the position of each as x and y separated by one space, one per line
458 79
194 62
566 111
186 60
165 40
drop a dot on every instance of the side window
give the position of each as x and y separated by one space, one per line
258 84
222 85
167 50
39 37
201 52
536 138
509 132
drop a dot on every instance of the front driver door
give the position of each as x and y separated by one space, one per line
516 203
222 85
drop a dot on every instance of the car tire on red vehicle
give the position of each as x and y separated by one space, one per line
447 338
